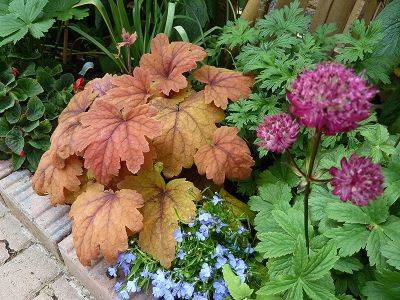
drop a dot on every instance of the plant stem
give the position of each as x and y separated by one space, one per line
65 44
314 151
295 165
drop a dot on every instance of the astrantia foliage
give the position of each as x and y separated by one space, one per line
104 149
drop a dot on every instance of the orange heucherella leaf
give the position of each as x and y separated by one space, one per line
101 220
49 179
164 206
78 105
227 156
109 136
186 126
223 84
130 90
101 85
168 61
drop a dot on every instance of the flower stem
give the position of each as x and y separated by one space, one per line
295 165
314 151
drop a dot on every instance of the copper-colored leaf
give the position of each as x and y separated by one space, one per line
129 90
186 126
101 220
164 206
101 85
223 84
109 136
77 105
227 156
49 179
168 61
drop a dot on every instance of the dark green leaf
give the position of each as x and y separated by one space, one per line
15 140
35 109
65 82
30 126
27 88
17 161
6 102
13 115
350 238
4 127
33 157
43 144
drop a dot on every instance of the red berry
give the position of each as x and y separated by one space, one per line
15 71
78 85
22 154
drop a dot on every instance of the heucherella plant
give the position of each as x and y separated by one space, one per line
214 259
103 152
305 253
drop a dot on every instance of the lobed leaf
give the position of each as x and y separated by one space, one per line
223 84
101 220
227 156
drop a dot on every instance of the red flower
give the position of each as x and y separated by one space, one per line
79 84
359 180
15 71
22 154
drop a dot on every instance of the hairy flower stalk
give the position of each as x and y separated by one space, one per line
278 132
331 98
359 180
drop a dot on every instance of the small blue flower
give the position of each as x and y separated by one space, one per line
158 292
199 296
216 199
220 262
205 272
220 290
117 286
145 273
232 260
158 278
125 268
131 286
241 230
202 234
186 290
129 257
219 225
181 254
205 218
219 251
123 295
112 272
178 235
249 249
240 265
192 224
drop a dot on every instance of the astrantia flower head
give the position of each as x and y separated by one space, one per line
359 180
278 132
331 98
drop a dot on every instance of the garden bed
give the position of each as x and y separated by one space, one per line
207 150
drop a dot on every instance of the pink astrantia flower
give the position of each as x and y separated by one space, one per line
278 132
127 38
331 98
359 180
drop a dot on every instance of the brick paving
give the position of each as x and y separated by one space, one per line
28 270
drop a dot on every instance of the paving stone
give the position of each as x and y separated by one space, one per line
26 274
3 210
14 233
93 278
48 224
3 253
5 170
66 289
44 296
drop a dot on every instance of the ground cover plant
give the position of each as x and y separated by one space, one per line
31 99
276 180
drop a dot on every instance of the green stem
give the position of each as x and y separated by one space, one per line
314 151
295 165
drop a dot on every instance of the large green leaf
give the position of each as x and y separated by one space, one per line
6 102
26 88
4 127
13 114
392 179
392 252
350 238
15 140
17 161
35 109
65 10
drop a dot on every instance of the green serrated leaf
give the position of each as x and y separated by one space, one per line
4 127
321 263
237 290
349 238
43 144
17 161
392 253
348 265
347 212
30 126
13 114
375 241
27 88
392 179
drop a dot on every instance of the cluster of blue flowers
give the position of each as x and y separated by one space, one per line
208 242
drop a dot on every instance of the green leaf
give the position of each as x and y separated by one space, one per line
321 263
13 115
348 265
43 144
6 102
347 212
375 241
275 244
276 286
35 109
38 29
33 158
320 197
27 88
237 290
349 238
17 161
317 292
386 286
65 10
30 126
4 127
389 20
15 140
392 252
392 179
